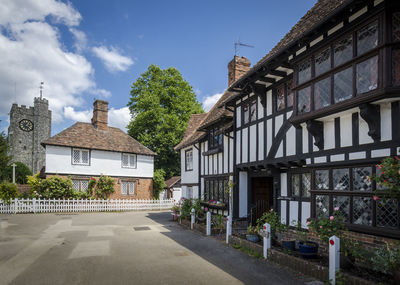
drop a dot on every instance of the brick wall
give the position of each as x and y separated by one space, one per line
143 186
23 188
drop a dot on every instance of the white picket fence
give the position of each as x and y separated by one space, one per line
82 205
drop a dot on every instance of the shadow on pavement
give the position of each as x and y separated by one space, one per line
247 269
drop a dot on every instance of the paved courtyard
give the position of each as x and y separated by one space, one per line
122 248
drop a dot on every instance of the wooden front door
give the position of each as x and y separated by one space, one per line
262 195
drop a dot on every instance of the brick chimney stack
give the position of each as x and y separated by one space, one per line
237 67
100 115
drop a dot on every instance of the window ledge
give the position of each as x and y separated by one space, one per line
213 151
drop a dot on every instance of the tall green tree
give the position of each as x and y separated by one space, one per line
162 102
4 158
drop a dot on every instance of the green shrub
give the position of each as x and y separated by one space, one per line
8 191
273 219
54 187
21 172
158 182
186 207
104 187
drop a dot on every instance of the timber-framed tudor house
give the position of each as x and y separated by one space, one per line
300 131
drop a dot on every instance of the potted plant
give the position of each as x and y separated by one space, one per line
307 249
252 234
387 260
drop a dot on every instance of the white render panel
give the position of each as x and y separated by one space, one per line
283 212
305 213
293 212
190 176
363 132
220 158
205 159
320 159
253 143
202 159
238 116
58 160
283 184
245 145
238 147
329 134
269 135
231 153
305 138
215 164
202 188
380 152
242 194
226 154
386 122
278 123
357 155
260 108
195 193
261 141
269 102
345 131
337 157
291 142
315 148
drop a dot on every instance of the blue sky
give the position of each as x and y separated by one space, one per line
96 49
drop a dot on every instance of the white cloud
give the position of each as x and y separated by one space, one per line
112 58
32 51
80 39
118 118
210 101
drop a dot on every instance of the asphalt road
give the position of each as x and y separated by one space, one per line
122 248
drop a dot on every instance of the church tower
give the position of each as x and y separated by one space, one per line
28 128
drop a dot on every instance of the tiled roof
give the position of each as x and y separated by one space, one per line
172 181
192 134
320 11
85 135
216 111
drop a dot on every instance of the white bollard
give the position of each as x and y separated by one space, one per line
192 214
208 232
228 228
266 239
334 258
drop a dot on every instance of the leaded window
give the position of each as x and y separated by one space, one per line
296 185
387 213
322 206
322 179
361 181
343 51
215 138
280 98
367 38
128 160
304 100
80 156
215 190
322 93
127 188
301 184
367 75
396 26
343 85
323 62
362 211
290 93
305 184
245 113
341 179
396 67
189 159
305 71
343 204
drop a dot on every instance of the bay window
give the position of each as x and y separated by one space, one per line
304 100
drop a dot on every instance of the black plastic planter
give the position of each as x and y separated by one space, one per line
308 249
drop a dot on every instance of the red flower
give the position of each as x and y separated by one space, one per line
397 158
376 198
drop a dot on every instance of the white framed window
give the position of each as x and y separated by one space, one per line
127 188
128 160
80 156
80 185
189 160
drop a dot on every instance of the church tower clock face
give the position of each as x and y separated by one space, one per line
26 125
